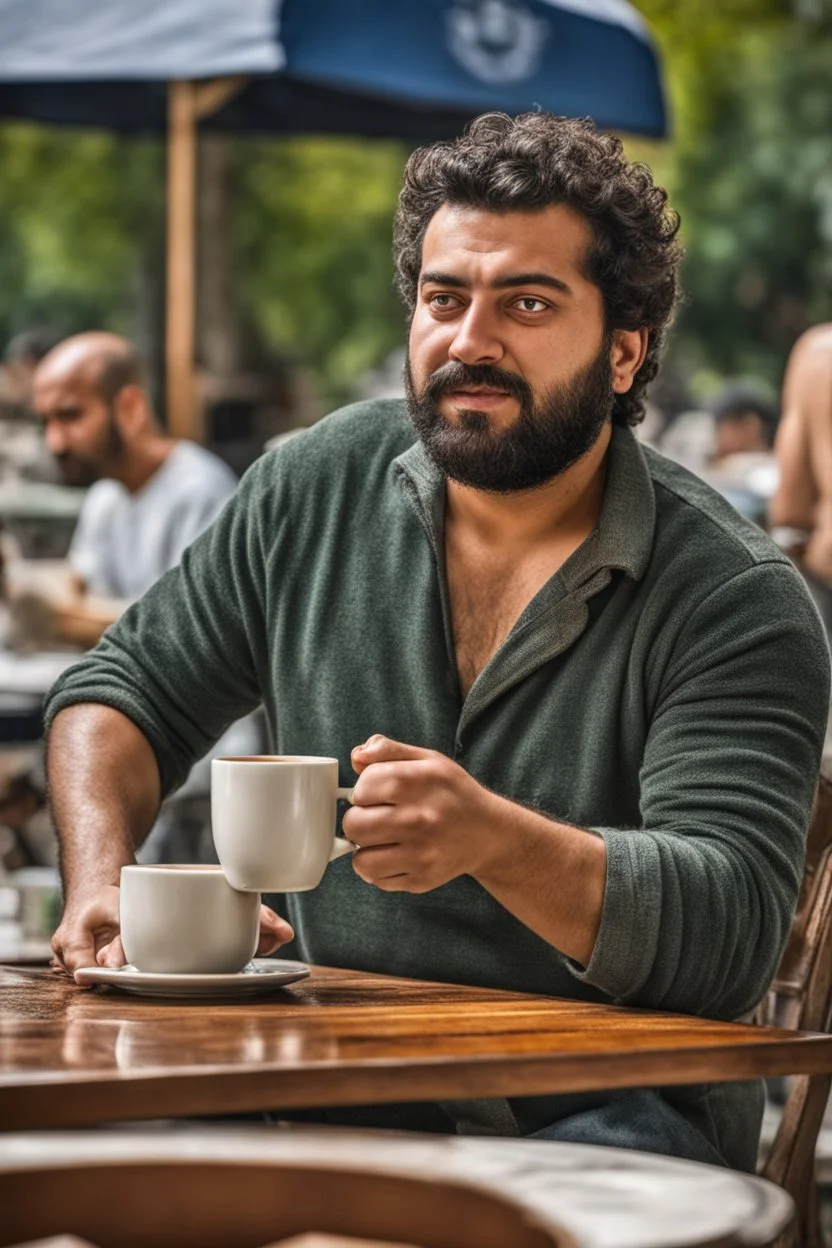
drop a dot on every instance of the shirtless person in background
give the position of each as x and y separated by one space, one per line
801 511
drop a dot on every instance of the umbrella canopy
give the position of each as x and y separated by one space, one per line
413 69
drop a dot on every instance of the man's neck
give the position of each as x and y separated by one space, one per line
570 505
143 462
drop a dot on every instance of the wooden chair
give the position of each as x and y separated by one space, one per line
186 1203
801 998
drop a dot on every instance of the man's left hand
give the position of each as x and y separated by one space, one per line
418 819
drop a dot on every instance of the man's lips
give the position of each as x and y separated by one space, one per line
477 396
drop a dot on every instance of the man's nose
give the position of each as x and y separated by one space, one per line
54 436
476 340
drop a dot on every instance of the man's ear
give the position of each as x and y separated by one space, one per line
629 347
130 410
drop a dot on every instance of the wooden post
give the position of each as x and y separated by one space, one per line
187 103
181 260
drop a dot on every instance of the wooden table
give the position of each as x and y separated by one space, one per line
70 1057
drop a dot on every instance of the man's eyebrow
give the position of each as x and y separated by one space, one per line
441 279
499 283
531 279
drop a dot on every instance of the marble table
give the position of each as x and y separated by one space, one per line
72 1057
603 1198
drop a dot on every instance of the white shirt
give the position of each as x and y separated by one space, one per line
124 542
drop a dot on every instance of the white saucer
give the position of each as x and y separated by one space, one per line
261 975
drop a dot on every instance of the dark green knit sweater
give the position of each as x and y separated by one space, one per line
667 687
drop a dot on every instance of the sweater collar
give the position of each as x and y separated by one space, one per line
623 538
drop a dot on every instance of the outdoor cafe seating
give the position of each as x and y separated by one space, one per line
249 1185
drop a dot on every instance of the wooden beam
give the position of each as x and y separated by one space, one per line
188 103
181 261
212 95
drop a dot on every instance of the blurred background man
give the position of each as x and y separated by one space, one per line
746 421
150 494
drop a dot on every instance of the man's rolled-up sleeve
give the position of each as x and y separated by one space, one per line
699 899
189 657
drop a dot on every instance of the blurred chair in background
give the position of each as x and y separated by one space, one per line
801 998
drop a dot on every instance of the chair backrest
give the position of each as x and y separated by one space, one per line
801 995
801 998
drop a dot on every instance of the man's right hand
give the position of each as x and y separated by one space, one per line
89 932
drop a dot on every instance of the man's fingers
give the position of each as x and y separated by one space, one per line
84 930
111 954
395 783
73 950
274 932
379 749
378 864
374 825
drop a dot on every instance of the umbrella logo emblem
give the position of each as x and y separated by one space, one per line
495 40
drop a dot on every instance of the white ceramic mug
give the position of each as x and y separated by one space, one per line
273 819
186 920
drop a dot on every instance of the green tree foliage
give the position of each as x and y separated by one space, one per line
749 167
750 170
76 213
314 228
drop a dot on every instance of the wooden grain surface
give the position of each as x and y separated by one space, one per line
70 1057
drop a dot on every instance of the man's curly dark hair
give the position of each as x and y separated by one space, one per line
527 163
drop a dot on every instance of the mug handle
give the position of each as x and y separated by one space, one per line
340 846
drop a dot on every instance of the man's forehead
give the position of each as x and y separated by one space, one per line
62 385
548 239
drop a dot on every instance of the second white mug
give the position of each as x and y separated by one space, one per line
186 920
273 818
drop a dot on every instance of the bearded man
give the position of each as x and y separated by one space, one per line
585 699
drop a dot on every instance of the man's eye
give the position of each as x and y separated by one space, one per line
528 303
443 301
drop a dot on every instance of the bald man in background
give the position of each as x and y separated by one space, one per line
151 495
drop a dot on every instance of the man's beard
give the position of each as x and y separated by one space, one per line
548 436
83 470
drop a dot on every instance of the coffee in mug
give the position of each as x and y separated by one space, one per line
274 817
186 920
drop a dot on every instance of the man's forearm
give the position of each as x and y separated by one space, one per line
549 875
419 819
83 620
103 790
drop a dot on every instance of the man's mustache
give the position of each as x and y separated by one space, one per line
455 376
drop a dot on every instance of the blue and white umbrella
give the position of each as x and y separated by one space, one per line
410 68
413 69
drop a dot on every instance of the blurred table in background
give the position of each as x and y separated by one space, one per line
40 517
